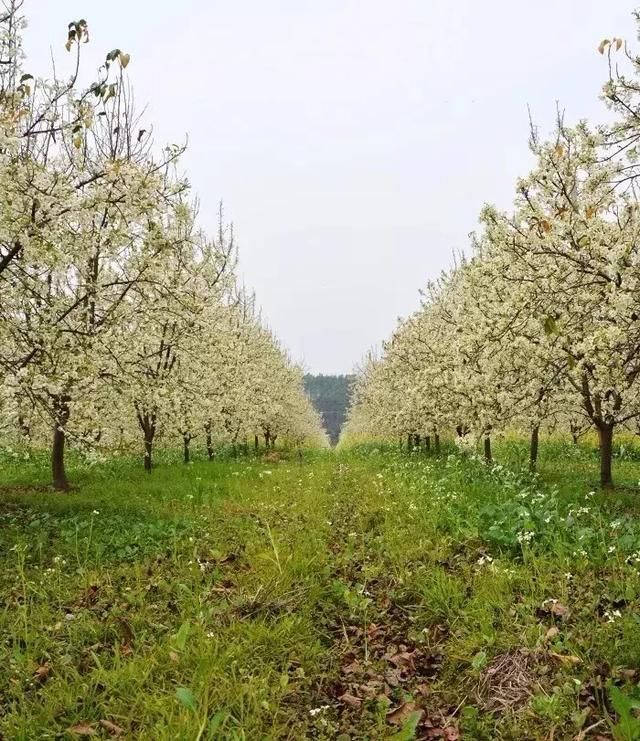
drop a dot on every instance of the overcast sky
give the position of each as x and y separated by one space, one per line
353 142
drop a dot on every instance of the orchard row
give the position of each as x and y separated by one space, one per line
538 328
121 321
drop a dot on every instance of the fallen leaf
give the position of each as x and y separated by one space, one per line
566 658
401 713
82 729
405 659
174 656
42 673
559 610
112 728
351 700
552 633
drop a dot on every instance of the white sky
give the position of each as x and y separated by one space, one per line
353 142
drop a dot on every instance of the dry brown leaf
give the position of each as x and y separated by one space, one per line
400 714
618 44
552 633
559 610
112 728
82 729
351 700
603 45
404 659
42 673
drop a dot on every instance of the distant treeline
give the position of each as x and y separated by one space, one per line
330 395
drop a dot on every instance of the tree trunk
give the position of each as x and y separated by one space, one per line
186 440
267 439
436 443
25 430
487 448
147 422
61 412
256 443
409 445
533 451
605 433
209 443
273 441
148 451
427 443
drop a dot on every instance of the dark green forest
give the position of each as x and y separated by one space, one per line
330 395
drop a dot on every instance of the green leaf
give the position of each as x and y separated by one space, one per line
186 697
215 722
479 661
182 635
408 730
124 59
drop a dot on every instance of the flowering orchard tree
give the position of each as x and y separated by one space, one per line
543 321
112 300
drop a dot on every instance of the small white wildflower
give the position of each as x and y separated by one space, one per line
96 512
316 711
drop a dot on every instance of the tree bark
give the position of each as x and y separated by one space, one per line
409 440
256 443
436 443
209 443
427 443
147 422
186 440
61 417
533 451
148 451
273 441
487 448
605 433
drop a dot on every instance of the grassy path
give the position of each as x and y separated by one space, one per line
364 595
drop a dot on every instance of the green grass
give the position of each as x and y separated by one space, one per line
365 593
